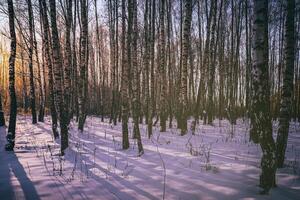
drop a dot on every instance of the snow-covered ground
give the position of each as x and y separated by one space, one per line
218 162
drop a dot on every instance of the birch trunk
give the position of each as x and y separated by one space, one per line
261 125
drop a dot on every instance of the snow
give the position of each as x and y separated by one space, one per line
218 162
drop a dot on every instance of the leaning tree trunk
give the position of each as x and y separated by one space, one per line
48 64
13 100
261 124
287 90
30 63
58 84
184 72
83 64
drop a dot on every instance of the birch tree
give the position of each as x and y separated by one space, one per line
58 84
68 57
83 64
12 93
48 64
134 68
30 62
162 68
124 84
261 124
184 73
287 90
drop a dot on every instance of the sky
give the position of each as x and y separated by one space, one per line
4 18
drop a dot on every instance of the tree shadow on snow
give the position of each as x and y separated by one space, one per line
12 172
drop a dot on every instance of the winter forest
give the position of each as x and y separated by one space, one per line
150 99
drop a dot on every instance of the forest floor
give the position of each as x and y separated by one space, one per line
218 162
